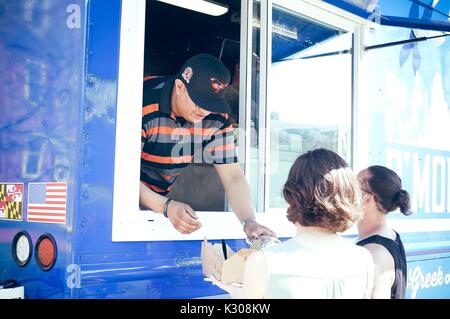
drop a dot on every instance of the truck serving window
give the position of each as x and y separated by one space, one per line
168 36
282 59
173 35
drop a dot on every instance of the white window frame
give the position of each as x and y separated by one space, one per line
129 222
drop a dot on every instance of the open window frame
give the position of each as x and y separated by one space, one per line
133 224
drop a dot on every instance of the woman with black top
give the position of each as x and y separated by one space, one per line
382 193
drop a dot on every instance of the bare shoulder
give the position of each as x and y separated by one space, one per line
384 271
381 256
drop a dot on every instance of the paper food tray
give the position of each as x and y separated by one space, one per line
230 270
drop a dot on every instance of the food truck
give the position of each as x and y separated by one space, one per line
367 79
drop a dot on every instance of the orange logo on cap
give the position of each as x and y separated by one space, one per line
217 85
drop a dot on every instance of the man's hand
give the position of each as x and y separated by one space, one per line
254 230
183 217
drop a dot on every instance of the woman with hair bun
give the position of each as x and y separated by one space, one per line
382 193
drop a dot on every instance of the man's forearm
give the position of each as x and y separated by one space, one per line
150 199
238 192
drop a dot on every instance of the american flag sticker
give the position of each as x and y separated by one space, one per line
47 202
11 201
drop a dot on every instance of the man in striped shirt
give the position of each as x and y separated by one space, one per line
185 119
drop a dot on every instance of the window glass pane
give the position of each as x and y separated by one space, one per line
431 14
408 125
310 94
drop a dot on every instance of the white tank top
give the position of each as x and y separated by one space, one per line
335 269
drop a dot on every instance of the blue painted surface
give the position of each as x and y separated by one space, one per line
401 13
409 107
59 100
58 96
118 270
41 67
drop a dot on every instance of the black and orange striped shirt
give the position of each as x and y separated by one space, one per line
170 143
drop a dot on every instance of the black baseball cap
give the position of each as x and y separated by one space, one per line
205 78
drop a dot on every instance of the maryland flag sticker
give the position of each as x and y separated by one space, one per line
11 201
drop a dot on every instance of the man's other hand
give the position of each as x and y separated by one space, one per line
183 217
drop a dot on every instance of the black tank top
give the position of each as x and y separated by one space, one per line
397 251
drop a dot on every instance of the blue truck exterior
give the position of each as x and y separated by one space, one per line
42 83
59 64
67 124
